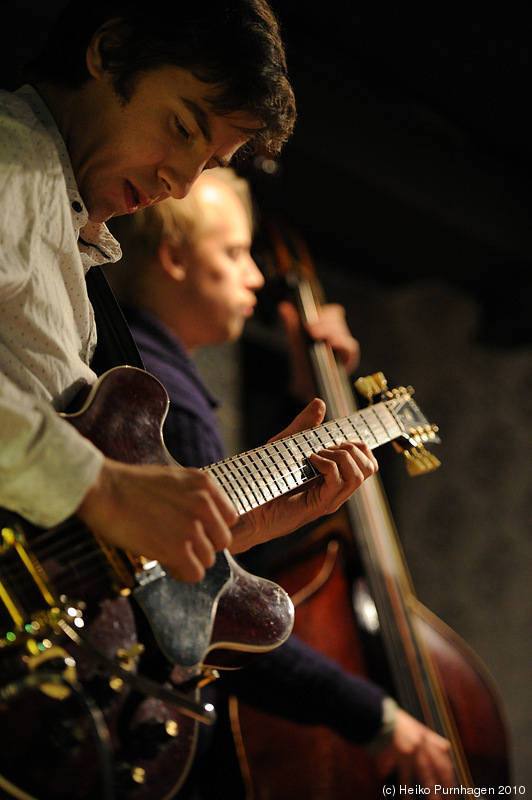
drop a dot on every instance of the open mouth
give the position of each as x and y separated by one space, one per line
131 197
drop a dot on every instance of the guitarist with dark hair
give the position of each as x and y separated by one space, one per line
73 156
122 110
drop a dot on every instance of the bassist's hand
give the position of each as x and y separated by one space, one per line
174 515
418 755
330 326
343 469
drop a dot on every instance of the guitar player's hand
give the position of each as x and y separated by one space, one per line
177 516
343 469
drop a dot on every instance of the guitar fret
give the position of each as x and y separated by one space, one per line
347 426
266 467
281 474
337 424
284 449
322 442
238 475
244 482
389 430
236 482
397 425
263 485
300 461
253 488
259 475
229 479
300 469
245 494
390 421
373 425
280 478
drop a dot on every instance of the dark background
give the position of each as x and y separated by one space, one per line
409 176
412 155
412 151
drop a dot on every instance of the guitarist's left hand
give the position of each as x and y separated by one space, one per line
344 468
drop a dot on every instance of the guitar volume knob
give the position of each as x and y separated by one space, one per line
151 736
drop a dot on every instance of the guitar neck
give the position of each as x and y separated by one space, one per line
258 476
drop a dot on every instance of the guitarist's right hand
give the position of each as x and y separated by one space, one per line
177 516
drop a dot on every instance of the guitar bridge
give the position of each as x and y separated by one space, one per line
151 571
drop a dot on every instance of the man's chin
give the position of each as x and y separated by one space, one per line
101 213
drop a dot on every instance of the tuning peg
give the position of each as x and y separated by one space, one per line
370 385
420 461
400 391
424 433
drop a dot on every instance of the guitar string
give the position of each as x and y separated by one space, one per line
86 569
296 440
225 470
50 543
266 488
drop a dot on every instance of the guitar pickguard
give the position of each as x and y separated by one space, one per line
182 614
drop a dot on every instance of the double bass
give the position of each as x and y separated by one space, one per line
355 602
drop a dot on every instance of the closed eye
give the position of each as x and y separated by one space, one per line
181 129
235 253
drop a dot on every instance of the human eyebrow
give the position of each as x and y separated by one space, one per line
202 121
200 117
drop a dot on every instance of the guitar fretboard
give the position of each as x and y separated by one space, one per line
258 476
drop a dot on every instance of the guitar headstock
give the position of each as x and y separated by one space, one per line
416 429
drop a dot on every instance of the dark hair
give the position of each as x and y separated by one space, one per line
233 45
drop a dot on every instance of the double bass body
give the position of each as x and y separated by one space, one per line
355 603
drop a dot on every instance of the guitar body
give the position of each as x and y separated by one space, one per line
130 622
50 748
72 726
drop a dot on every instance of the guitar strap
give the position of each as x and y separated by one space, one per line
116 346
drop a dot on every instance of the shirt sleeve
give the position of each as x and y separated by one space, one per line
298 683
46 466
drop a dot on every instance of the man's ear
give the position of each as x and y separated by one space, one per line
94 58
170 258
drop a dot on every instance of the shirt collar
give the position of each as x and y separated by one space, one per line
159 340
96 243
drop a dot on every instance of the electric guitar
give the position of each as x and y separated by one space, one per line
102 653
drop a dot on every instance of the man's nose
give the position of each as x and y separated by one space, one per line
174 183
254 277
178 177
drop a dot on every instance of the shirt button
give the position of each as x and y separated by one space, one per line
76 205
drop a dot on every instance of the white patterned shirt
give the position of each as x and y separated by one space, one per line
47 330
